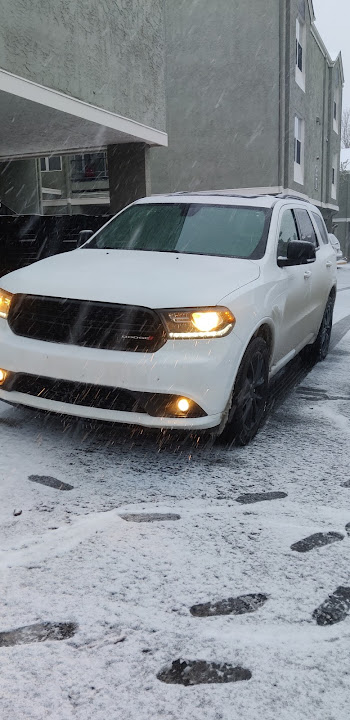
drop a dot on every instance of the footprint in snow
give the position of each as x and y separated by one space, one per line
50 482
149 517
38 633
315 541
199 672
335 608
249 498
232 606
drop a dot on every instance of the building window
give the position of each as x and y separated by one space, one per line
334 176
90 166
300 54
48 164
299 150
299 48
336 103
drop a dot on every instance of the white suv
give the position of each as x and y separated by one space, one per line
174 315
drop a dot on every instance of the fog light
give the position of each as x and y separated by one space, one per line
183 405
3 376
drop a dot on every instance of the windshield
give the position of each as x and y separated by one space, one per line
224 230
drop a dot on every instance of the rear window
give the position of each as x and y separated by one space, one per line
223 230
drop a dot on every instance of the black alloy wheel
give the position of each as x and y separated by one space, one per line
318 351
249 396
324 336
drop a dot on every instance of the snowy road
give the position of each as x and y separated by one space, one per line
126 587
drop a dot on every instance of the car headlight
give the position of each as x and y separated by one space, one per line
196 323
5 302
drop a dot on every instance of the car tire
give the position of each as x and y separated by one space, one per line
318 351
249 397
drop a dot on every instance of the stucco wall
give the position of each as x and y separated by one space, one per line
222 96
109 53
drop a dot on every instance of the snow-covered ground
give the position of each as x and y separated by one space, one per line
129 586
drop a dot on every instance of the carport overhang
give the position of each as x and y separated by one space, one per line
39 121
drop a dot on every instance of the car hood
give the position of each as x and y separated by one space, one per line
133 277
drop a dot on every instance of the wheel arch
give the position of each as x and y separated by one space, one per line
266 331
333 292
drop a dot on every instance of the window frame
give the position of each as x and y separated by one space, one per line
47 159
336 105
81 175
299 137
300 52
334 177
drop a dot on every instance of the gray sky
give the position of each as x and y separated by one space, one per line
333 24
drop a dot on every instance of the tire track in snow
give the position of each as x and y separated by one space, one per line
340 329
58 542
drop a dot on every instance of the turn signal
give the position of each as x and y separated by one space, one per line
5 302
3 376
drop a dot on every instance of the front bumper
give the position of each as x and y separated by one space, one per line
203 371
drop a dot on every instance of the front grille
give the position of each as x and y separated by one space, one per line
107 326
97 396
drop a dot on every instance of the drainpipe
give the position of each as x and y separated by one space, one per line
282 94
287 79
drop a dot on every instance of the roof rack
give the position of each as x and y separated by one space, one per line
231 193
283 196
222 193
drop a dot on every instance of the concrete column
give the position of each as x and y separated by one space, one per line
67 174
129 173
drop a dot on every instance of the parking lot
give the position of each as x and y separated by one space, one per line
111 536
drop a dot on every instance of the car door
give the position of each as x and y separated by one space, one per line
320 278
293 301
325 275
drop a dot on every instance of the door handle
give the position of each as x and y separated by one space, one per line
328 264
307 274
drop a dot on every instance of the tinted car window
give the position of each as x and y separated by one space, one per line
224 230
288 231
321 227
307 232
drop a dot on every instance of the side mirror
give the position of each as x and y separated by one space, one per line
84 236
299 252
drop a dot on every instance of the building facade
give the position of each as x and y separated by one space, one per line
250 99
253 100
77 80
